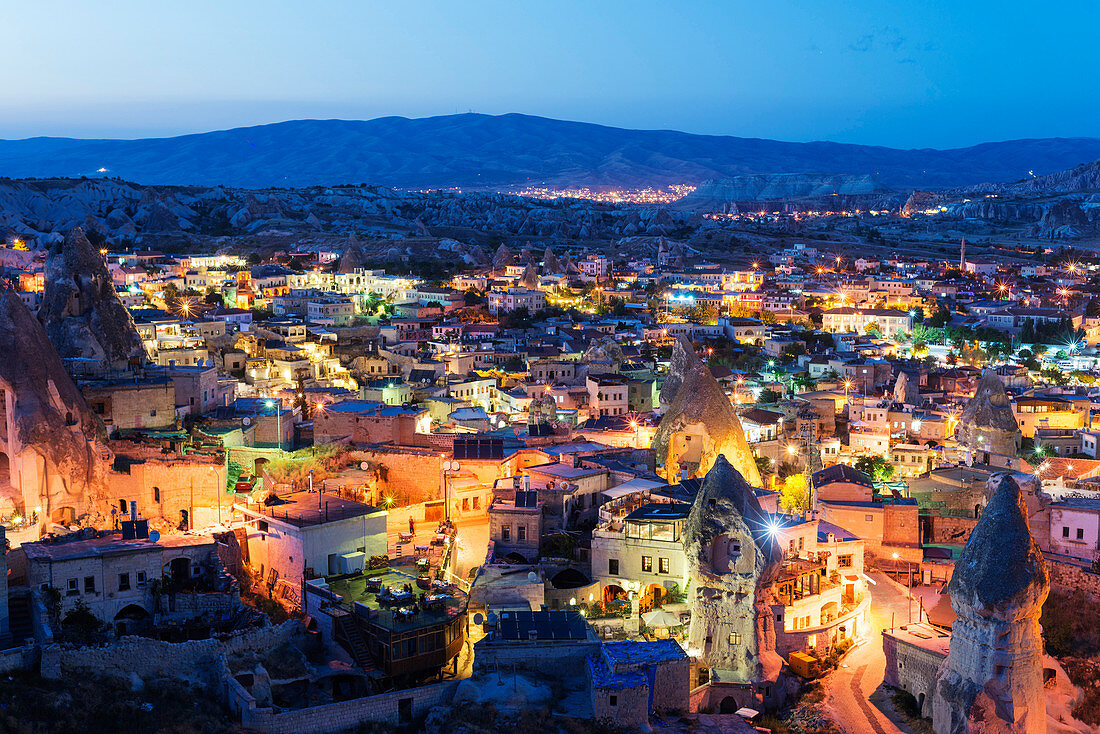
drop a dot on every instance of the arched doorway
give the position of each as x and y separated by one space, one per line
130 619
728 706
613 593
63 516
654 596
180 569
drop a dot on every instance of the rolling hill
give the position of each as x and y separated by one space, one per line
497 152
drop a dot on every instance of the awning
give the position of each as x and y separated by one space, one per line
852 579
632 487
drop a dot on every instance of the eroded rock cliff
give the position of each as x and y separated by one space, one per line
81 311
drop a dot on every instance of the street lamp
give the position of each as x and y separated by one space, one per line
909 588
448 466
278 418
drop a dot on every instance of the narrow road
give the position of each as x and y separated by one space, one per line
848 689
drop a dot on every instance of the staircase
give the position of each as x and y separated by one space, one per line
350 636
19 617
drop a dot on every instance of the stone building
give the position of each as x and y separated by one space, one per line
121 581
732 560
515 525
992 679
304 534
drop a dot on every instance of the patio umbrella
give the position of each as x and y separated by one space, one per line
661 618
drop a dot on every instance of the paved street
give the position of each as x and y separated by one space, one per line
848 689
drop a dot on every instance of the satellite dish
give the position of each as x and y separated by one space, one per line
478 619
154 535
246 420
532 577
491 619
364 465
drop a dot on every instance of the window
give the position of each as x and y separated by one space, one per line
156 494
521 532
869 518
647 564
506 532
735 638
124 582
1065 532
1080 533
122 506
89 584
662 565
141 579
613 700
71 588
844 561
613 566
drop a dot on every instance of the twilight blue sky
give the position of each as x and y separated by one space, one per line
907 74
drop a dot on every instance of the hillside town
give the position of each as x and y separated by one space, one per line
630 486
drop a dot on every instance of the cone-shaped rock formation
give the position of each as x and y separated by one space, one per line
699 423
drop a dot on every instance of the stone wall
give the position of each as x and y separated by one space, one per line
18 658
199 661
1071 577
558 659
388 708
951 530
625 706
911 668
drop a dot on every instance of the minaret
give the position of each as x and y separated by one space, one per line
962 256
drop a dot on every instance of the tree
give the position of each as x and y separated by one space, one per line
769 396
940 319
763 465
794 493
919 349
876 467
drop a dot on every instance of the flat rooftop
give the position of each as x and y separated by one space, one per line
64 548
924 636
352 589
312 508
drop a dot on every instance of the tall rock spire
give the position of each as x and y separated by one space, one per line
987 422
81 311
993 673
699 424
732 560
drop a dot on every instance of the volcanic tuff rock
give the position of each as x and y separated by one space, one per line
800 187
904 391
55 444
530 277
987 422
352 257
605 350
502 258
550 263
731 559
698 407
81 310
992 679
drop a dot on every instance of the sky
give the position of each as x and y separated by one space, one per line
902 74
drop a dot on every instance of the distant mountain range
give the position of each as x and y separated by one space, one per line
505 151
